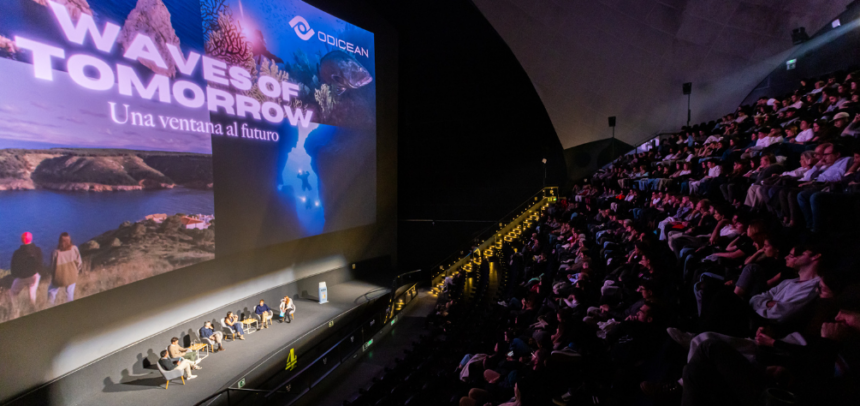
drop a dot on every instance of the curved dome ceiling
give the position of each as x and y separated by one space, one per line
591 59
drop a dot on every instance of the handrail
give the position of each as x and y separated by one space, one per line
487 232
227 390
367 299
490 230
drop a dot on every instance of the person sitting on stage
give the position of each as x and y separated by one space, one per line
176 351
288 309
207 331
232 320
264 312
170 364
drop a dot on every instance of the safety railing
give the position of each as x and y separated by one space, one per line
492 237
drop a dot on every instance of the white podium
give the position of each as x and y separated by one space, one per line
323 293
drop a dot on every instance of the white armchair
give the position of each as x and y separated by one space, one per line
228 330
206 340
260 317
170 375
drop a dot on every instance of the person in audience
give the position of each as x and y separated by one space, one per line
233 321
702 222
264 312
834 168
701 186
825 373
783 192
592 279
66 264
788 298
763 191
177 351
26 271
170 363
853 129
762 270
806 133
827 205
288 309
207 331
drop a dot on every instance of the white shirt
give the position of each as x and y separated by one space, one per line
834 172
713 138
728 231
768 141
715 171
790 297
805 135
795 173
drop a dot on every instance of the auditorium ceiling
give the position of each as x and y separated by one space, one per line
590 59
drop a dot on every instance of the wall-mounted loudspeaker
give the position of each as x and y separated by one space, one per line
688 87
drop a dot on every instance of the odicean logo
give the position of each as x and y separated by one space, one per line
303 29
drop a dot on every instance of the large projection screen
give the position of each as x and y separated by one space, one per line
142 136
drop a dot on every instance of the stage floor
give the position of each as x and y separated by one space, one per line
222 369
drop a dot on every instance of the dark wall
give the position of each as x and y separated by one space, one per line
473 130
829 50
583 160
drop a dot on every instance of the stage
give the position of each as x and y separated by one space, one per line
137 385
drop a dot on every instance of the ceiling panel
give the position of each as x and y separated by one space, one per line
628 58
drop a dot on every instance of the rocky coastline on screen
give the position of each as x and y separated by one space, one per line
146 248
102 170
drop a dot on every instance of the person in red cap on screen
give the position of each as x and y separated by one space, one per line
26 269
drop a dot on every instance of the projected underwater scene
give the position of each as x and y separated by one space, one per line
299 113
301 181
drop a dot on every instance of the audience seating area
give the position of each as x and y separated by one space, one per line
719 267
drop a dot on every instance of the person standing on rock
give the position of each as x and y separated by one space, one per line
66 264
26 269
